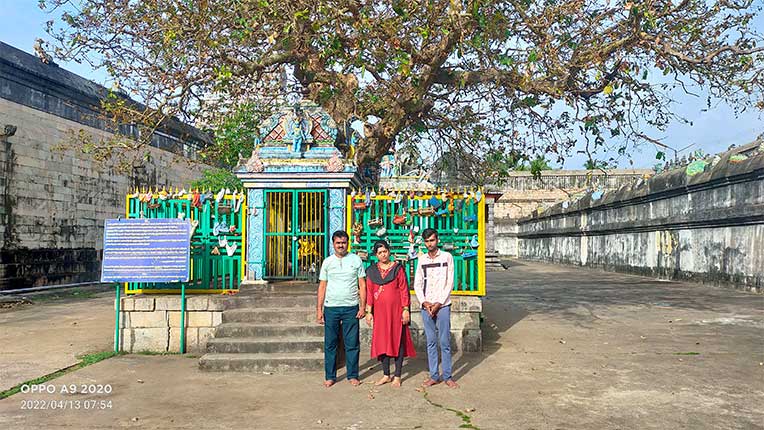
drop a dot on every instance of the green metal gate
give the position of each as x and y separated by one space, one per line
296 222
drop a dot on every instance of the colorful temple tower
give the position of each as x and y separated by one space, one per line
297 182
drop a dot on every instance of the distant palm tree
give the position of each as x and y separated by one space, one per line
592 164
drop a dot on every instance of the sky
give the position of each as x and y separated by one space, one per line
713 131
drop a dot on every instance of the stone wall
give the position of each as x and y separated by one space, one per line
55 201
708 227
465 326
152 323
522 193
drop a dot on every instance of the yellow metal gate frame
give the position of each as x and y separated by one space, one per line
295 240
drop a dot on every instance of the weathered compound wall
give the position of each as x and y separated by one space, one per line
522 193
708 227
54 202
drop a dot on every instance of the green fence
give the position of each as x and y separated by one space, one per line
217 240
400 216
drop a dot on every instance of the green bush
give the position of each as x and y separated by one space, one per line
215 179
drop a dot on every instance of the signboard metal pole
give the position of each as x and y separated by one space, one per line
183 318
116 318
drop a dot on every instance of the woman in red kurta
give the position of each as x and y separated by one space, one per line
387 311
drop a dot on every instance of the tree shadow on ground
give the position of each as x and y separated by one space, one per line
574 295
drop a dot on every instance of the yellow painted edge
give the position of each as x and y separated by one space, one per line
456 293
467 293
481 248
177 291
244 238
360 198
348 220
191 259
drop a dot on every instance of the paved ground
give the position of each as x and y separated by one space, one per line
564 348
40 338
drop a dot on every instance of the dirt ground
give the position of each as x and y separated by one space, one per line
47 335
564 348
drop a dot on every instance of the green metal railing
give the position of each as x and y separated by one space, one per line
212 269
459 219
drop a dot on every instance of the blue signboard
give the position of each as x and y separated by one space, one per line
146 250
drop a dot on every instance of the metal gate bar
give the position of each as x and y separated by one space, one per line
295 236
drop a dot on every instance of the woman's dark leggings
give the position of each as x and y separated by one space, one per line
398 360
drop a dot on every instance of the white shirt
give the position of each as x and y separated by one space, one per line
434 278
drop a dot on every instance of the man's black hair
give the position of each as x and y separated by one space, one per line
340 234
428 232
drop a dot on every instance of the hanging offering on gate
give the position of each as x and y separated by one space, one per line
426 211
458 204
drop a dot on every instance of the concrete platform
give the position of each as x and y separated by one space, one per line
564 348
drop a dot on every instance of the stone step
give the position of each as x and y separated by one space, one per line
296 345
242 329
270 301
281 288
261 362
270 315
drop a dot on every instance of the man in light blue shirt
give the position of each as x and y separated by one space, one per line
341 303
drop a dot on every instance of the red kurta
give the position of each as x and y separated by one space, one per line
387 302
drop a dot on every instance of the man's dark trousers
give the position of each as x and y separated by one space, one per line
344 318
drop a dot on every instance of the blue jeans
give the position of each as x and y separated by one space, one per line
441 323
336 318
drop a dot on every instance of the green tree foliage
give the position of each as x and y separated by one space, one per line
592 164
538 165
215 179
459 168
478 75
234 133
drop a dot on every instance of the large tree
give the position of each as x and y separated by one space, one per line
485 76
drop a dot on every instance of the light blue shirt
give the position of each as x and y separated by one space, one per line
341 276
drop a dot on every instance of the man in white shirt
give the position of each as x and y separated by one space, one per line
433 282
341 303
